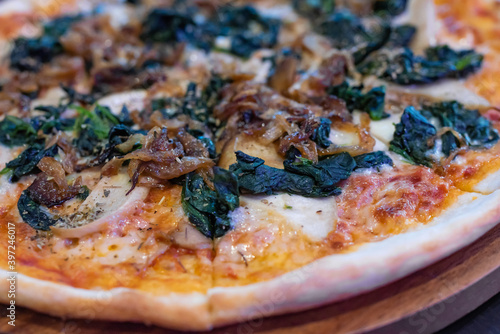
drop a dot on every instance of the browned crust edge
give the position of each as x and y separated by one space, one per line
338 277
119 304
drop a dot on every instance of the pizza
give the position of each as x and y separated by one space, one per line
192 164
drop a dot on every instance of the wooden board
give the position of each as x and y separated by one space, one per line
424 302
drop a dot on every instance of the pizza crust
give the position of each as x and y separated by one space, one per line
489 184
180 311
326 280
338 277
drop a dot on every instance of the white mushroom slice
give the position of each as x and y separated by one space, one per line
344 138
107 203
133 100
315 217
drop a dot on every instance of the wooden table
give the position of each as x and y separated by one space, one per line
424 302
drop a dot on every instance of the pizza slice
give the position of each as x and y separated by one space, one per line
92 239
268 263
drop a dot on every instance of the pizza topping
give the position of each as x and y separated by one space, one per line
256 178
34 214
207 204
239 30
45 191
26 162
347 31
300 176
376 160
381 204
109 201
163 158
15 131
315 217
371 102
416 135
404 68
30 54
412 135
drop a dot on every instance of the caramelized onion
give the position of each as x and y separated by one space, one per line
177 168
284 76
46 191
162 158
53 169
366 141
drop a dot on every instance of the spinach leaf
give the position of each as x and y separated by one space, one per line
208 209
411 138
326 173
197 107
371 102
15 132
318 181
389 7
33 214
247 29
117 135
314 9
92 129
347 31
476 130
60 25
372 160
74 96
28 54
210 97
405 68
168 26
462 63
26 162
449 143
84 193
51 120
101 121
401 36
322 133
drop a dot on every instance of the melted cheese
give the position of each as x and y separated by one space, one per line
315 217
133 100
6 155
383 130
119 15
343 138
422 15
444 90
107 249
